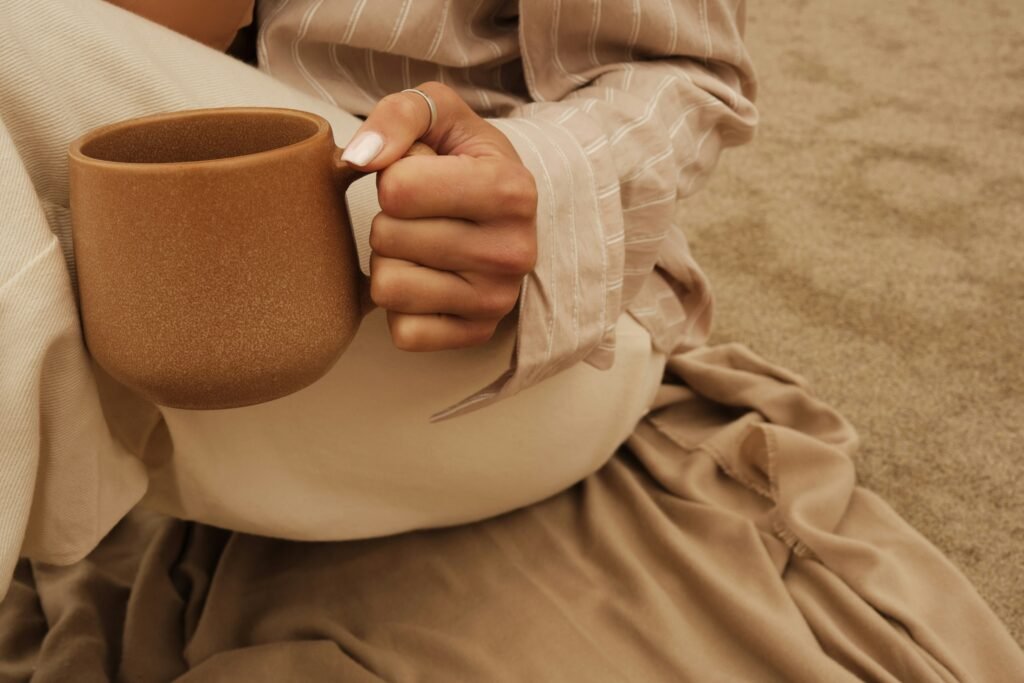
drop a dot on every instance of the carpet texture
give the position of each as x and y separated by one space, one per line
869 239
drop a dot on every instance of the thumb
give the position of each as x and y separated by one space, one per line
400 119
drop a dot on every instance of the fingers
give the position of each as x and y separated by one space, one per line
434 310
420 149
460 186
457 232
437 332
401 118
404 287
454 245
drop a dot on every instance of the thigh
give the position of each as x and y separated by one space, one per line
354 455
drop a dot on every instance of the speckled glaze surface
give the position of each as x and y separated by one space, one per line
215 259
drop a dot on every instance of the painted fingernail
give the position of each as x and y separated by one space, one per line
363 148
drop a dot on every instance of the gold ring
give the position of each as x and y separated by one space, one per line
430 103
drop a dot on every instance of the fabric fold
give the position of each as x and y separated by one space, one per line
727 540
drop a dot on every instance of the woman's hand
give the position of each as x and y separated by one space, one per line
456 232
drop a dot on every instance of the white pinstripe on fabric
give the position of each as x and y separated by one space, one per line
549 186
627 79
653 202
596 146
440 31
353 21
634 33
640 170
682 117
696 157
307 18
261 43
673 27
371 74
397 30
342 69
554 144
611 238
595 23
616 136
481 94
569 113
470 18
645 240
706 29
575 78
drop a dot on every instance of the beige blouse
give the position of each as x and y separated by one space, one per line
618 108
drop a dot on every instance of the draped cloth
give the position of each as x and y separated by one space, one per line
727 540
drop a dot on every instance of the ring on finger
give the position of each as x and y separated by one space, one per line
430 103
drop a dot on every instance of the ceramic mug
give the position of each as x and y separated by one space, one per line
215 259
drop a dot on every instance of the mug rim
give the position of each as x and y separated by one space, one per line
75 147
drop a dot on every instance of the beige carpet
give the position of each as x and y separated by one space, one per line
870 240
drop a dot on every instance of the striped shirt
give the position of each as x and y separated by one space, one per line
619 109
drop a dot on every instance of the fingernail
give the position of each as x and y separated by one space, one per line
363 148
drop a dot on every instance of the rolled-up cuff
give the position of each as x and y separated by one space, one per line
568 305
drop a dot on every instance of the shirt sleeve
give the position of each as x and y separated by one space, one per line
633 103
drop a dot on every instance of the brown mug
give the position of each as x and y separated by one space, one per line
214 252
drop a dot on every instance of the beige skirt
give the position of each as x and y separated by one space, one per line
354 455
727 541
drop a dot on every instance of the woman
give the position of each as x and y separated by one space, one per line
731 523
553 219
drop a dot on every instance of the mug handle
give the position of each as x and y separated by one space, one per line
344 176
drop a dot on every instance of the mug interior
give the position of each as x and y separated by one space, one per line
198 137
